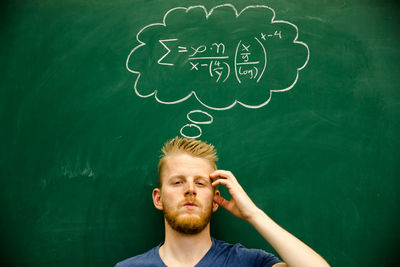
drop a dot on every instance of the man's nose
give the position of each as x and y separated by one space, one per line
190 189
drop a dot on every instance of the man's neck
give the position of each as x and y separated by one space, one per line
184 250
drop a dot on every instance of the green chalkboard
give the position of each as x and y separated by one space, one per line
300 98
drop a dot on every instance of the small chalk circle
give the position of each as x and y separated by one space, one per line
209 121
191 125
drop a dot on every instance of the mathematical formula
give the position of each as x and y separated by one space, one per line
248 62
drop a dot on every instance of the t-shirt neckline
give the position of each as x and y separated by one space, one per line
208 254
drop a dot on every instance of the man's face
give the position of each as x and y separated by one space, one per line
186 195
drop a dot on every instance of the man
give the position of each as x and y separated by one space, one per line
187 194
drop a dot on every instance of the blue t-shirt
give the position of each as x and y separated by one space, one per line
220 254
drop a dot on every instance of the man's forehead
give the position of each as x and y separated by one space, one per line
186 159
186 163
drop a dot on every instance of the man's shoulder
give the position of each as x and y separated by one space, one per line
222 245
149 258
239 255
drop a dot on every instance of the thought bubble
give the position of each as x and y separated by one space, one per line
222 57
207 119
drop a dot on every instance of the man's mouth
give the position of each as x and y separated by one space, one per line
190 205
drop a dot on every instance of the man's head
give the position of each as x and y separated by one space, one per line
185 193
195 148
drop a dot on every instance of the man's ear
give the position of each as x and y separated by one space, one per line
157 199
215 205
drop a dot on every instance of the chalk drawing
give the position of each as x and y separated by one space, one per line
189 126
252 50
201 112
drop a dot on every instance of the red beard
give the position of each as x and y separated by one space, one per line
188 224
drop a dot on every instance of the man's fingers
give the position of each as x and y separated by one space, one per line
221 201
219 181
222 174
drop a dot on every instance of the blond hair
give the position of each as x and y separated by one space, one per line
195 148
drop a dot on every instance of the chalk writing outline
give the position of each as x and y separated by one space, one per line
166 54
193 93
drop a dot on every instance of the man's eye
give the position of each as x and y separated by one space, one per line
177 182
200 183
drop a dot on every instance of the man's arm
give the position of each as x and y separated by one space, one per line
293 251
